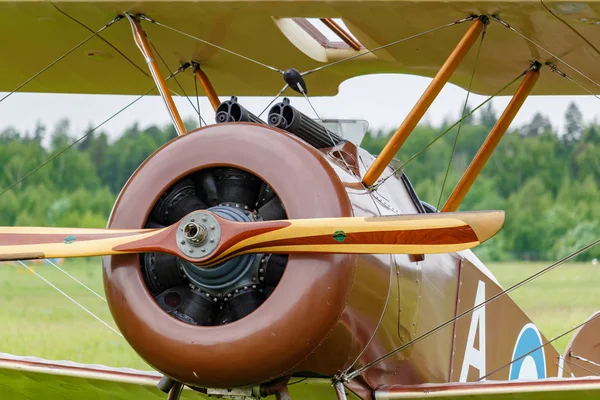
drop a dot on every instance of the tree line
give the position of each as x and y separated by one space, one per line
547 180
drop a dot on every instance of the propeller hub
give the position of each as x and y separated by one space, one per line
222 278
198 204
195 234
198 234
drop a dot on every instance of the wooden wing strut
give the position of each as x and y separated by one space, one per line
142 42
207 86
487 148
415 115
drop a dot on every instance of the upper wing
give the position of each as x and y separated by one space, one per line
544 389
35 33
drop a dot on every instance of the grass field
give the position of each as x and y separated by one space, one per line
38 321
558 300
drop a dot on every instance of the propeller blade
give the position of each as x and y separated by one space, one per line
206 239
25 243
405 234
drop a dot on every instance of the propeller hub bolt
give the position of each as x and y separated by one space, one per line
195 233
200 236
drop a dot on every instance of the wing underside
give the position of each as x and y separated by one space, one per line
34 33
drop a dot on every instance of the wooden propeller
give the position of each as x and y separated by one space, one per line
205 239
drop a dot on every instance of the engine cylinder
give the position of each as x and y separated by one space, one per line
306 304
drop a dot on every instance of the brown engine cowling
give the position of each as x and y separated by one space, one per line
293 329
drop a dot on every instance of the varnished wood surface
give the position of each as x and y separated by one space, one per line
488 147
142 42
18 243
433 233
409 234
209 90
423 104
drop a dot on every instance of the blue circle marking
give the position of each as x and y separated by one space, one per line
533 365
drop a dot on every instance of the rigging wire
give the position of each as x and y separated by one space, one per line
313 109
554 68
283 89
70 298
584 359
145 18
457 22
75 279
561 365
60 152
393 273
538 347
578 366
333 144
462 113
507 25
171 73
197 110
348 377
404 164
575 31
351 376
103 39
47 67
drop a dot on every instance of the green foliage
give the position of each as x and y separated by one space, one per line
577 237
548 182
573 124
556 301
80 185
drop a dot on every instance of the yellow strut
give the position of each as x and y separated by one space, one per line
207 86
142 43
487 148
415 115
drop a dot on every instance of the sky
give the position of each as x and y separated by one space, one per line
382 100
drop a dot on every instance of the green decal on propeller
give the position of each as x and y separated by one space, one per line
70 239
340 236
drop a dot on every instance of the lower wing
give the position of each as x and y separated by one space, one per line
543 389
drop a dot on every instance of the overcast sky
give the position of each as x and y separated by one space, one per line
382 100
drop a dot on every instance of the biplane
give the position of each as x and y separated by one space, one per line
268 254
